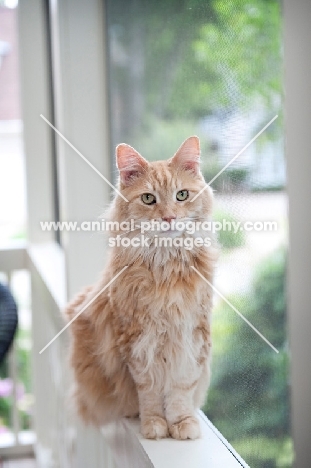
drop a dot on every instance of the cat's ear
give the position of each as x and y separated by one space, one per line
130 163
188 155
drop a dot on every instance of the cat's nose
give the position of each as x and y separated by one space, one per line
168 218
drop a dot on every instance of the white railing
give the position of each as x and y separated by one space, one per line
63 442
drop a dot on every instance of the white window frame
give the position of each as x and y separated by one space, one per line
297 37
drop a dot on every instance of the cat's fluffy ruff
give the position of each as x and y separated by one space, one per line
143 346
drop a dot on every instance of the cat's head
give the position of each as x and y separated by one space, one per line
162 190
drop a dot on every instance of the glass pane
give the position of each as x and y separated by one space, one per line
214 68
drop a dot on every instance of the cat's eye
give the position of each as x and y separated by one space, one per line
182 195
148 198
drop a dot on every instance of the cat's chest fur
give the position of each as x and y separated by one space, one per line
168 328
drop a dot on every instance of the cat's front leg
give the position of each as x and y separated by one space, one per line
152 417
179 411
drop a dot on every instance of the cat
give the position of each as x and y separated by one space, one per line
143 346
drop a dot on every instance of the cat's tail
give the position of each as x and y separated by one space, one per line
76 303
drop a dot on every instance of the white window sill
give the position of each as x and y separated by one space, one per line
130 449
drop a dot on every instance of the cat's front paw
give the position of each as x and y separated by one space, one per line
188 428
154 427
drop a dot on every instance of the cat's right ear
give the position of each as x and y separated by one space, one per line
130 163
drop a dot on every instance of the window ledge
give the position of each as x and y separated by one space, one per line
130 449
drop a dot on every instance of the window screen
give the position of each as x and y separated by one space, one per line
214 69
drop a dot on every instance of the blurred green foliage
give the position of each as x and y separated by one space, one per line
237 176
243 48
228 239
185 59
25 399
249 396
160 137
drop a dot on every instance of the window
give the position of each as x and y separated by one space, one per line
215 69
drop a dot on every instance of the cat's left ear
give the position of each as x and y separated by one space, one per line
130 163
188 155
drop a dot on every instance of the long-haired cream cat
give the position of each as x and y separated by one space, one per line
143 346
